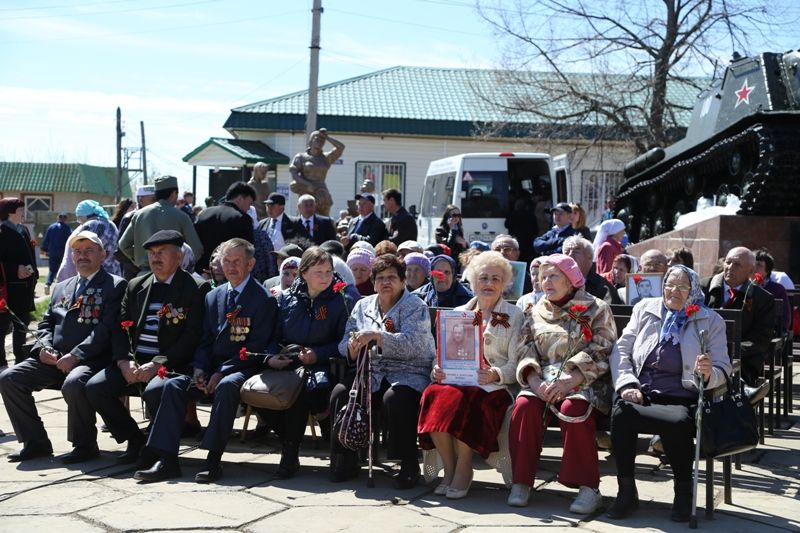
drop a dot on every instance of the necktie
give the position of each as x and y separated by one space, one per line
357 226
731 296
231 303
79 288
272 225
308 227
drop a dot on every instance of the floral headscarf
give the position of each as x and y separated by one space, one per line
675 320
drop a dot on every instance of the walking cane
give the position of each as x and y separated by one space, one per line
368 385
698 422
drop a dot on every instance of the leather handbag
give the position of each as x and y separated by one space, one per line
276 390
729 425
351 426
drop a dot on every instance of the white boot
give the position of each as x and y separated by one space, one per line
519 495
588 501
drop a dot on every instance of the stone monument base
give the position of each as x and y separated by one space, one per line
711 239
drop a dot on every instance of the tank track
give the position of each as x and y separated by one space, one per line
768 180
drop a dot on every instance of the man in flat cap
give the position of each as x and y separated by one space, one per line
239 314
161 325
366 226
279 228
73 342
160 215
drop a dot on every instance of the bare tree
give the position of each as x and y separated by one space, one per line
638 52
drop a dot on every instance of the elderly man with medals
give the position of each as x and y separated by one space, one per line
160 327
240 319
73 342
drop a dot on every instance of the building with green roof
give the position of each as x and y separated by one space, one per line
49 188
394 122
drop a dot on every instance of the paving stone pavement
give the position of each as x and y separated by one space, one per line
44 495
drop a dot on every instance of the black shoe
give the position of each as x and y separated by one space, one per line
682 502
31 450
344 466
290 463
211 472
627 499
756 394
408 476
163 469
133 451
80 454
147 458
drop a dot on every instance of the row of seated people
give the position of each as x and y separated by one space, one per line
166 337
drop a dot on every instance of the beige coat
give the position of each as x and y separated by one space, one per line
545 333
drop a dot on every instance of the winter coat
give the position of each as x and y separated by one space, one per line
548 333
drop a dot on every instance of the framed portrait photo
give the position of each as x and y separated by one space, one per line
519 270
460 346
639 286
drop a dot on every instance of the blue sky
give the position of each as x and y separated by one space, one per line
181 65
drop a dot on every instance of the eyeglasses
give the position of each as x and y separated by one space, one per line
682 288
506 248
455 215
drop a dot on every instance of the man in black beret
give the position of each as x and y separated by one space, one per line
161 325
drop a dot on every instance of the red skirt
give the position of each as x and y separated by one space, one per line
470 414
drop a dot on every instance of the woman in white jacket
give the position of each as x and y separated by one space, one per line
653 367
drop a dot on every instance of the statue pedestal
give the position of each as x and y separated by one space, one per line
711 239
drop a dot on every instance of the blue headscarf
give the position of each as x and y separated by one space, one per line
89 208
675 320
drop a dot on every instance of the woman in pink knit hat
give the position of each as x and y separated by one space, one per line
564 373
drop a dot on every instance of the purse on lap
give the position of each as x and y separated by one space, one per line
275 389
729 426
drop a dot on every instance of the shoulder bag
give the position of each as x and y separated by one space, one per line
351 426
276 390
729 426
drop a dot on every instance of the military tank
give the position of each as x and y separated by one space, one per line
743 139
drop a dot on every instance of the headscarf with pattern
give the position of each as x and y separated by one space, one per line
675 320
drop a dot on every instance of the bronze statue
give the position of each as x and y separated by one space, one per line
259 182
309 169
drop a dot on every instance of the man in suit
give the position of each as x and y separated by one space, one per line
402 226
238 314
552 241
166 309
225 221
157 216
366 226
73 342
732 289
315 227
278 225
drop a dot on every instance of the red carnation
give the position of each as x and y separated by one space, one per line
692 309
758 278
578 308
126 324
162 372
587 333
339 286
438 274
243 353
3 305
637 278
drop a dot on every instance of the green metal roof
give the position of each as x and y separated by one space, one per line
249 151
61 177
445 102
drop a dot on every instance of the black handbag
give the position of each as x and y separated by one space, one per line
729 426
351 426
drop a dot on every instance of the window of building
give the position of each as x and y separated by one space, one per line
595 186
382 176
37 203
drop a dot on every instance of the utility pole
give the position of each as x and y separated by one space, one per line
144 153
313 78
119 155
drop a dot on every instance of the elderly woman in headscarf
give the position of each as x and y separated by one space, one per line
564 373
528 300
654 368
94 218
359 260
608 244
444 290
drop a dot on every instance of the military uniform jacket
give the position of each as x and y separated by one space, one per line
254 327
83 327
180 320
